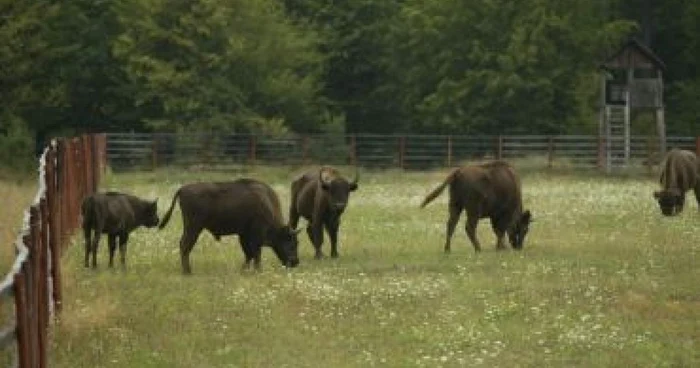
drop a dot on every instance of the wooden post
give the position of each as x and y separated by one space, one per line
601 152
252 150
43 300
353 150
22 318
402 151
449 151
154 152
499 147
305 150
550 152
53 228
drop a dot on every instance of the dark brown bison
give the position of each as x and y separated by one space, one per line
115 214
246 207
320 196
486 190
680 172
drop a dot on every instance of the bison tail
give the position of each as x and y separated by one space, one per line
437 191
166 218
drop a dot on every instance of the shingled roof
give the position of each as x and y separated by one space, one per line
633 54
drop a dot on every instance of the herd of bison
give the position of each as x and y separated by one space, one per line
251 209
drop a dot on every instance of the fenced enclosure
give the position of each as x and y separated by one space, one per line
410 152
69 169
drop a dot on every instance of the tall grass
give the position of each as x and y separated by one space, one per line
603 280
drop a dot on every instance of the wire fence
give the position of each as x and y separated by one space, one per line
410 152
69 169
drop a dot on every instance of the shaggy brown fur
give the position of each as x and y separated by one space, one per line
320 196
485 190
680 173
117 215
245 207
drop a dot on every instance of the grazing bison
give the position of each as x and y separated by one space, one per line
115 214
320 196
245 207
680 172
486 190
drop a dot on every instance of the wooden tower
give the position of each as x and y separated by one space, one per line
632 79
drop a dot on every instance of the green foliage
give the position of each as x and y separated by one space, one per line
219 65
313 66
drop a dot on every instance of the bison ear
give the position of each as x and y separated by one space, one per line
526 217
657 194
353 187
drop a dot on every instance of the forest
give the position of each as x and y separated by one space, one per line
328 66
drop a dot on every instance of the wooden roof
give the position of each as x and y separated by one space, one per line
633 54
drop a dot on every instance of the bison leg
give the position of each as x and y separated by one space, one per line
123 239
245 246
315 233
697 193
332 226
472 221
112 245
187 241
500 234
455 212
95 243
87 232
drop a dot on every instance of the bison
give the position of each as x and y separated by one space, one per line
246 207
485 190
320 196
115 214
680 173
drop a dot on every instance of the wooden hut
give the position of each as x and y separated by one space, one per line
632 79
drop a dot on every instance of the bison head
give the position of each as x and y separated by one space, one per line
338 189
149 214
670 201
517 232
285 244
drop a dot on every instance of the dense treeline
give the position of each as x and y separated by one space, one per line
275 66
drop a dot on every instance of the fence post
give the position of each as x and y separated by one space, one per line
353 150
550 152
54 228
499 147
449 151
601 153
305 150
402 151
22 317
43 280
252 149
154 152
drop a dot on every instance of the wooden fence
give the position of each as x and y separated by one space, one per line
138 150
68 170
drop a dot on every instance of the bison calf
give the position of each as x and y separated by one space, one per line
486 190
115 214
680 172
320 196
245 207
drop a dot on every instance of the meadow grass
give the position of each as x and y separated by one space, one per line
604 280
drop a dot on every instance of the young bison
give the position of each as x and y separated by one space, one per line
245 207
320 196
115 214
486 190
680 173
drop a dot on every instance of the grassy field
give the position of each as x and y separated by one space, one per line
16 196
603 280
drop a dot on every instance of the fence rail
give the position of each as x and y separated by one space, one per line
141 150
68 170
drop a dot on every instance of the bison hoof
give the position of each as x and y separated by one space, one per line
334 255
318 255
